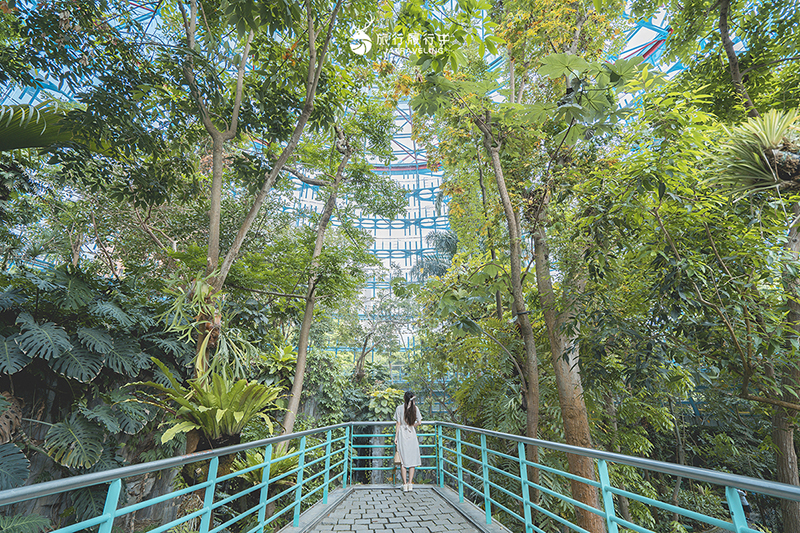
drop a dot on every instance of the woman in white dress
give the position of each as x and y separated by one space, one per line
408 417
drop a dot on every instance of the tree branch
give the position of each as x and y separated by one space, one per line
305 179
733 60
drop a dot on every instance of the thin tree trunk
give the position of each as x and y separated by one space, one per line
733 60
498 299
311 299
565 353
782 427
531 380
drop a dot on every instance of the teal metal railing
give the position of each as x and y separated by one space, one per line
486 467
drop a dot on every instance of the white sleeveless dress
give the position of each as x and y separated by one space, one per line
407 442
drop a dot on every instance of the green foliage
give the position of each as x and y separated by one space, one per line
278 468
383 403
29 523
12 359
760 155
220 407
13 466
75 442
46 340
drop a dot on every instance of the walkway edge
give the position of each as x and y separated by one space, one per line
314 515
470 511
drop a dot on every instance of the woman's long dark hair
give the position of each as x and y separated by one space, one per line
410 412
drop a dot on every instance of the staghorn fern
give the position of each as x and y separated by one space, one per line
760 156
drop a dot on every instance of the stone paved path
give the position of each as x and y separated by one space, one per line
390 509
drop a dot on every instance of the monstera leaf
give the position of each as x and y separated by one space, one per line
13 466
88 502
126 357
76 293
98 340
11 298
110 310
76 442
42 340
78 363
24 523
131 414
12 359
103 414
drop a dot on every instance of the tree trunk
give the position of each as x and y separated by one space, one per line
782 427
733 60
565 352
530 381
311 299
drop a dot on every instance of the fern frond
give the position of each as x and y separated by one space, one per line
24 523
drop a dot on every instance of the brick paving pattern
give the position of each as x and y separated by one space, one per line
392 510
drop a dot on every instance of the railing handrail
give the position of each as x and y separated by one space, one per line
38 490
47 488
761 486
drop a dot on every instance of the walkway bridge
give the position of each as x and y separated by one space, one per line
340 478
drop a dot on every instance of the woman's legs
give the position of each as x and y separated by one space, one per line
411 470
403 474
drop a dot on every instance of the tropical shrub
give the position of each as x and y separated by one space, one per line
68 341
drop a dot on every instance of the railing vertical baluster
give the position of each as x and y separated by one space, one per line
526 490
264 493
485 463
110 508
460 466
346 464
608 496
208 501
327 466
298 493
440 455
736 509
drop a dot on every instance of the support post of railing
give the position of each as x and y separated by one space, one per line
264 494
298 492
526 490
208 500
608 496
460 466
736 509
485 464
346 464
110 508
327 476
440 455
